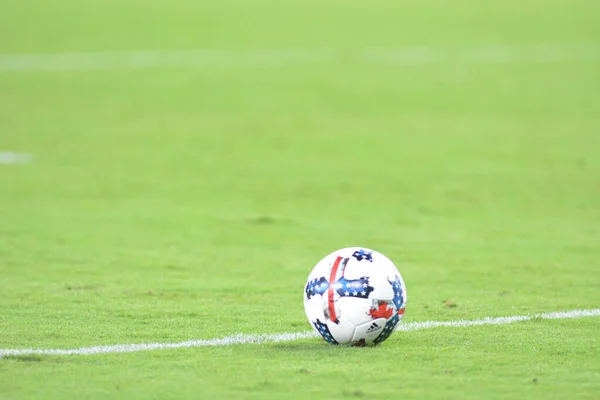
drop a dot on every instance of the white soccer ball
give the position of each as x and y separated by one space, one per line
355 296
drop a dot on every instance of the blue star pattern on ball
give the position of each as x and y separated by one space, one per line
324 331
398 294
391 323
315 287
353 287
363 255
388 329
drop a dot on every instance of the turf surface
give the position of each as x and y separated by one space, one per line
167 204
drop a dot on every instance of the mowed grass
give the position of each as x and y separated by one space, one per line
172 204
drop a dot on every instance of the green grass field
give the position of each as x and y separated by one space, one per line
167 203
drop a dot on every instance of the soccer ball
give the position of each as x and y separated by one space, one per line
355 296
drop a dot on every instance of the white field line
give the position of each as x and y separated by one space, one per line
11 157
286 337
414 55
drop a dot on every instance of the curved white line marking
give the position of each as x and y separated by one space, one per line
286 337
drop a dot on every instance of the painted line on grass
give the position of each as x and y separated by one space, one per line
11 158
410 55
286 337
